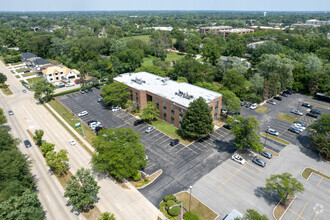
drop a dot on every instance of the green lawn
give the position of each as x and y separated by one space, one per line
35 79
172 56
22 70
28 74
277 139
147 61
308 171
286 117
262 109
140 37
6 91
18 76
169 129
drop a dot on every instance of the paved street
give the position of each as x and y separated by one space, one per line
124 203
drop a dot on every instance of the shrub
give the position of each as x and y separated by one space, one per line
169 197
137 177
174 211
190 216
169 203
254 97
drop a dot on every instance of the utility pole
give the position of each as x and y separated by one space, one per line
190 188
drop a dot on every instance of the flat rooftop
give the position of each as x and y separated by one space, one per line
180 93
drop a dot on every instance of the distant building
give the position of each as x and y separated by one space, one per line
26 56
216 29
276 28
225 30
60 73
102 33
171 98
160 28
311 23
238 31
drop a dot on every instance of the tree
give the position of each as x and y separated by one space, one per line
284 184
118 152
312 63
3 118
56 161
197 121
320 131
82 190
150 112
257 83
107 216
245 133
115 94
252 214
38 136
47 147
26 206
230 101
3 78
235 82
43 90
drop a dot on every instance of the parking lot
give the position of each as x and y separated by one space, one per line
181 165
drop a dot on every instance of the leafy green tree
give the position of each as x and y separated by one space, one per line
160 40
118 152
182 79
312 63
150 112
320 131
43 90
210 52
285 185
107 216
257 83
47 147
3 78
115 94
245 133
235 82
230 101
38 134
7 141
26 206
82 190
269 47
3 118
56 161
252 214
197 121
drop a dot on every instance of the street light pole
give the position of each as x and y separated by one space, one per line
190 188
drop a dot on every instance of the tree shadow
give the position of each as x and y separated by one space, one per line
306 148
270 198
225 146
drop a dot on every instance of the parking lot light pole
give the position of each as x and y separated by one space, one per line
190 188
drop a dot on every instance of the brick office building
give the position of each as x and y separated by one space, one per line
171 98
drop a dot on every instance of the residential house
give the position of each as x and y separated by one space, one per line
60 73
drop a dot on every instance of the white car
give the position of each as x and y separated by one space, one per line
72 142
297 112
115 108
254 106
272 132
299 127
70 84
150 129
238 159
83 113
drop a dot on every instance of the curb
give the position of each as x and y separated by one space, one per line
284 210
161 171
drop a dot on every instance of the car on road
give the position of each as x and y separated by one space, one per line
278 98
259 161
294 129
254 106
267 154
115 108
137 122
238 159
307 105
150 129
284 94
82 91
27 143
227 126
288 92
272 102
72 142
272 132
24 91
312 115
10 112
174 142
315 111
297 112
83 113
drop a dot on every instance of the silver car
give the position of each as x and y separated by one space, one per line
150 129
272 132
297 112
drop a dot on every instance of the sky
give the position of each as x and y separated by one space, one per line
110 5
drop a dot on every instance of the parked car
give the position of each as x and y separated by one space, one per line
272 132
206 137
82 91
307 105
26 71
238 159
243 103
103 80
174 142
72 142
278 98
150 129
27 143
90 89
284 94
115 108
259 161
301 123
299 127
297 112
312 115
315 111
98 87
90 122
254 106
99 100
10 112
294 130
288 92
83 113
137 122
86 90
69 84
224 111
272 102
227 126
24 91
267 154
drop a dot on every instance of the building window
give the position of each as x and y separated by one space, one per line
172 121
164 105
217 104
165 115
131 94
211 108
180 117
181 112
157 103
137 97
56 78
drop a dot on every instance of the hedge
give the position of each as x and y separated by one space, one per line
174 211
137 177
169 197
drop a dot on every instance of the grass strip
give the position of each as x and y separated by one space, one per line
73 135
272 152
196 207
286 117
277 139
35 79
262 109
280 209
6 91
318 105
28 74
308 171
22 70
